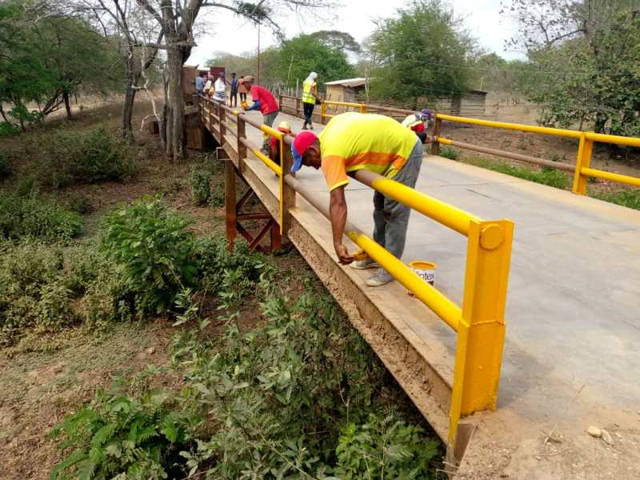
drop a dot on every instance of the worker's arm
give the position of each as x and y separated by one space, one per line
338 216
255 106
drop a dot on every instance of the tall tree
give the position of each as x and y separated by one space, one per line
176 19
338 40
46 55
306 53
586 53
421 52
136 39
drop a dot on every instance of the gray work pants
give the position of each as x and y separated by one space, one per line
391 218
268 120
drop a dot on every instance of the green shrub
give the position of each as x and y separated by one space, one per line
290 396
154 248
90 157
5 166
216 199
383 447
37 217
8 129
200 186
32 290
450 153
626 198
120 437
77 202
300 396
100 284
231 276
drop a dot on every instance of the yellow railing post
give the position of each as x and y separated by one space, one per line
482 328
221 116
363 108
323 112
435 146
585 150
241 134
287 193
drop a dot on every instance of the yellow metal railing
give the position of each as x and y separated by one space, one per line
479 322
582 169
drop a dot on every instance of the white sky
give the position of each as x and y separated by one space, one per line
222 31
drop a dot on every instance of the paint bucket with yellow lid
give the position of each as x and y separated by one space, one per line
425 270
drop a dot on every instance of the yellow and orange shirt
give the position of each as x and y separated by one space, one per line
355 141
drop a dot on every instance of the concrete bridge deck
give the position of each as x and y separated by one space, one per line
572 351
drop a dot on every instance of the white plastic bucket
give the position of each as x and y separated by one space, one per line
425 270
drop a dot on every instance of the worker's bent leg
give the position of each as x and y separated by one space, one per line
395 214
379 221
266 138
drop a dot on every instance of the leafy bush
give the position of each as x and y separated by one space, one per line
383 447
120 437
231 276
300 396
546 176
90 157
37 217
200 186
32 290
77 202
450 153
5 166
8 129
291 397
154 248
216 199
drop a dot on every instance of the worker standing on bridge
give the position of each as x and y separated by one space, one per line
351 142
264 101
309 98
220 89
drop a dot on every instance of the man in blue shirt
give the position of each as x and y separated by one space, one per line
200 83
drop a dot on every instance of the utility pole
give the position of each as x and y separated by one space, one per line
258 57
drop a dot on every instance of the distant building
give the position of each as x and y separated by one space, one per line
346 90
472 103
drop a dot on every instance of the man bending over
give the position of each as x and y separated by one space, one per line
351 142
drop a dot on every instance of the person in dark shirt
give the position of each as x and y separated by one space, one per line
233 95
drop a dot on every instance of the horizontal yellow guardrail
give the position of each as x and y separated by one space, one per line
430 296
511 126
615 139
614 177
441 212
582 170
344 104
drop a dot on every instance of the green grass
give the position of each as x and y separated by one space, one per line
626 198
558 179
545 176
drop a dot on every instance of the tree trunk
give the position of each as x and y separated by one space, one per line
127 112
127 107
175 146
67 103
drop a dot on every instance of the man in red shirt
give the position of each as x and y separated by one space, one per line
264 101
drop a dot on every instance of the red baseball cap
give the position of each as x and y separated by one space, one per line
300 144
